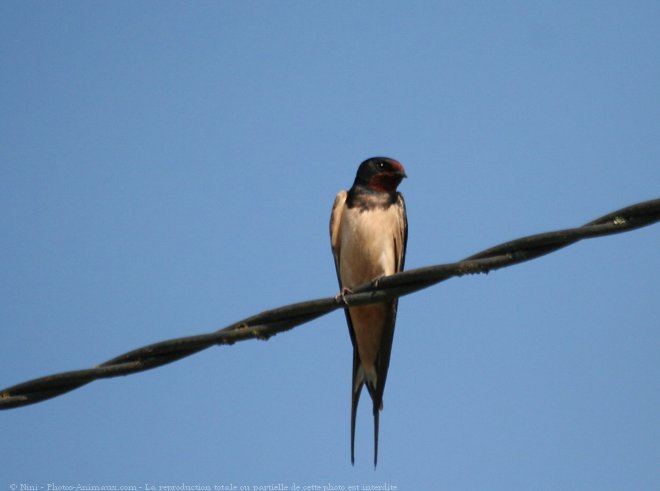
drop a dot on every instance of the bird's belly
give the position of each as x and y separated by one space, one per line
367 247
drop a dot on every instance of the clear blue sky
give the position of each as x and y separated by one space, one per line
167 168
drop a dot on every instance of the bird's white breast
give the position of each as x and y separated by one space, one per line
367 245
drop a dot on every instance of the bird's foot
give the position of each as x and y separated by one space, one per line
341 296
376 281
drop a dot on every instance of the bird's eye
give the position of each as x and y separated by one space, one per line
381 165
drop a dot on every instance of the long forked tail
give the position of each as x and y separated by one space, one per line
355 399
376 417
359 382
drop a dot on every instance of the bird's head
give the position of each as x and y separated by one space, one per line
380 174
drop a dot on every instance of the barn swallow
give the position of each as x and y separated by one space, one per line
368 233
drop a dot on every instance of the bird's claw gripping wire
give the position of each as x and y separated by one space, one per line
341 296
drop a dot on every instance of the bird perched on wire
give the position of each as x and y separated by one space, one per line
368 233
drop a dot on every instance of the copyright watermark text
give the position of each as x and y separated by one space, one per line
294 486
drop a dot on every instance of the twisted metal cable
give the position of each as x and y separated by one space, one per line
274 321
